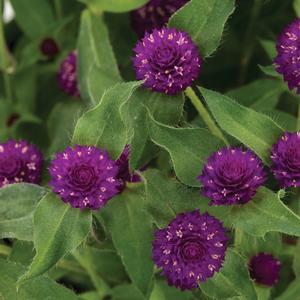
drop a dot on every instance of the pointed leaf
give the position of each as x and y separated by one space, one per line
204 21
58 229
255 130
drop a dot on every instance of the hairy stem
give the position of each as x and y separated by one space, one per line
205 114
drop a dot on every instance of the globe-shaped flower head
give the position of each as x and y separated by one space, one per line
84 177
191 249
264 269
67 76
19 162
154 15
167 60
286 160
49 47
232 176
288 55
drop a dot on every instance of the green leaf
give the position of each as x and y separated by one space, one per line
259 94
265 213
255 130
270 71
126 292
188 147
33 16
296 262
58 229
61 123
292 292
116 6
103 125
283 119
131 230
37 289
232 281
204 21
97 66
165 109
270 48
296 5
17 205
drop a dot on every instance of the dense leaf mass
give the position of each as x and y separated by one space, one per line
191 249
286 160
168 61
84 176
19 162
232 176
154 15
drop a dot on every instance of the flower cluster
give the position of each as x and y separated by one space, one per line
286 160
191 249
232 176
84 176
67 76
168 61
154 15
19 162
287 60
264 269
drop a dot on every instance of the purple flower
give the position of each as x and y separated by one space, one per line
84 176
264 269
124 173
20 162
286 160
154 15
287 60
67 76
167 60
191 249
232 176
49 47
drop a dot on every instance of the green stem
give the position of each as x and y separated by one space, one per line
5 250
205 114
4 58
238 236
249 40
58 9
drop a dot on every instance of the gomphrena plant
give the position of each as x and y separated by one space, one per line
125 175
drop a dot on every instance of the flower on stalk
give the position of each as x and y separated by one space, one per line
67 76
154 15
190 250
19 162
286 160
288 60
167 60
49 47
232 176
84 176
124 173
264 269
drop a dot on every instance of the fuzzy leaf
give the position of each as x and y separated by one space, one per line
232 281
265 213
17 205
33 16
188 147
37 289
204 21
131 230
116 6
255 130
103 125
58 229
97 66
